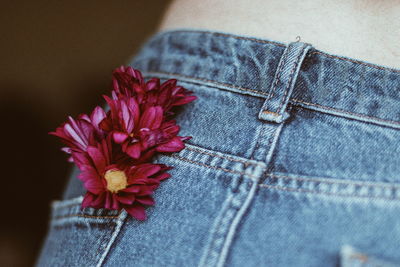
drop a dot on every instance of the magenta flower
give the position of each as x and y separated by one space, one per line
140 132
78 134
113 150
113 183
129 82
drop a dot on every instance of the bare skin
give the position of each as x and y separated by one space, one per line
367 30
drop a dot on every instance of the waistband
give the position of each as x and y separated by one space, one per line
325 82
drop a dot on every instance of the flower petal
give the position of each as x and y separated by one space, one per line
184 100
174 145
97 158
147 169
146 200
75 136
153 84
134 150
120 137
137 211
98 201
87 200
131 189
163 176
127 199
94 186
151 118
97 116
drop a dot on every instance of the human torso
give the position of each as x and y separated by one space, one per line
360 29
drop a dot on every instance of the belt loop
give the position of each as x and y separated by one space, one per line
274 107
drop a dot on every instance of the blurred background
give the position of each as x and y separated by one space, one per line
56 60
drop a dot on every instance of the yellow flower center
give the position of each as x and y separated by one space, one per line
116 180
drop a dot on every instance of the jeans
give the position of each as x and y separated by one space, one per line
294 161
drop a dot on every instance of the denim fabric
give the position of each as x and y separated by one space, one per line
294 161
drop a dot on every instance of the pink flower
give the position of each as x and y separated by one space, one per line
129 82
113 150
114 183
78 134
138 131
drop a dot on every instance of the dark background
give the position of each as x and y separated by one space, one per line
56 60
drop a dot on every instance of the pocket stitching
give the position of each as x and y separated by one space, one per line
68 208
87 216
336 181
300 190
191 158
191 151
213 167
346 184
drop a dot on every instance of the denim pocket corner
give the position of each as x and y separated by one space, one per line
74 231
70 211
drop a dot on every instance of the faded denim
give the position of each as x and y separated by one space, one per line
294 161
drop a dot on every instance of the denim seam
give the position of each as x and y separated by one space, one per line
211 167
257 145
271 139
86 216
117 229
272 142
149 73
222 157
327 181
247 194
235 222
197 150
224 227
210 253
268 174
68 209
283 45
260 93
345 112
104 239
300 190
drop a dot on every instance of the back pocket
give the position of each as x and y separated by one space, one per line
79 237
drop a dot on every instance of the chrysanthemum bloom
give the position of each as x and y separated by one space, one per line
78 134
114 182
129 82
113 150
141 131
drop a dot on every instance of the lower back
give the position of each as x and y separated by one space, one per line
361 29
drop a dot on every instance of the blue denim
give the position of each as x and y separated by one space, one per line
294 161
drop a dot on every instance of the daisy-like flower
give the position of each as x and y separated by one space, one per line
138 131
78 134
113 182
129 82
113 150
